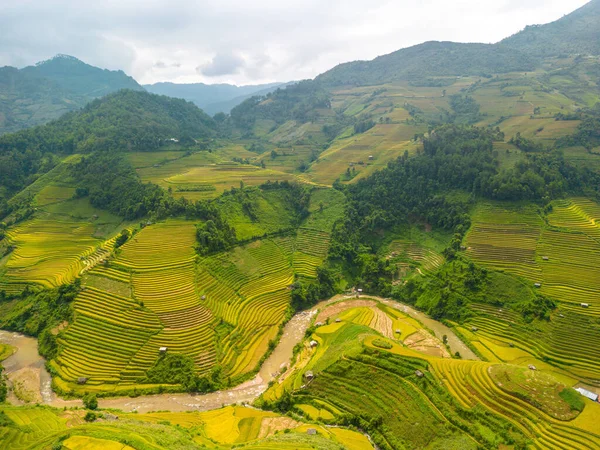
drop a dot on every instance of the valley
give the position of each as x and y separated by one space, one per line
397 254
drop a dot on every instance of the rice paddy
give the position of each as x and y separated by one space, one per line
222 429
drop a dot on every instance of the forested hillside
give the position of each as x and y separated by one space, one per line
574 34
431 59
120 122
37 94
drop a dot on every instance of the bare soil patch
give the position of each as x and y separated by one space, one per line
270 425
423 342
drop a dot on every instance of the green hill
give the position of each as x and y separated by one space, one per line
27 101
123 121
38 94
426 60
80 78
576 33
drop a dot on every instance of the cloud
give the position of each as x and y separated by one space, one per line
245 42
222 64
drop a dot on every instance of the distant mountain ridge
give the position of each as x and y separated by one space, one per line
212 98
38 94
429 59
575 33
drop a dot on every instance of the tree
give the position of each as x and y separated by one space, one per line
123 237
90 401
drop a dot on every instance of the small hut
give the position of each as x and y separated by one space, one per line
319 324
585 305
162 350
371 157
82 380
311 431
419 373
398 331
545 258
313 344
338 320
538 285
203 297
532 367
474 329
309 375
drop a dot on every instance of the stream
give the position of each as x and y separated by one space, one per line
26 364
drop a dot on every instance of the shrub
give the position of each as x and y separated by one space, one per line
90 401
90 416
382 344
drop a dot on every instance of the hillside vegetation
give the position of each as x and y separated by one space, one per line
432 215
38 94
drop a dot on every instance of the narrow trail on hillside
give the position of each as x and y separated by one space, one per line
27 359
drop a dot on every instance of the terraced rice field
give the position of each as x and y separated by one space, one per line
41 428
48 252
310 250
471 384
428 259
559 256
506 239
177 301
570 341
114 340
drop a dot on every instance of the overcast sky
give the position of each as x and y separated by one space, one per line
249 41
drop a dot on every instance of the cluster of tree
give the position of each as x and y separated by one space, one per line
457 284
306 293
527 145
295 102
3 387
215 235
465 110
111 183
455 158
588 131
39 312
363 125
176 368
18 169
122 238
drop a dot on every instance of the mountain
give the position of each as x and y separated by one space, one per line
38 94
575 33
212 98
124 120
80 78
227 105
28 101
429 59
